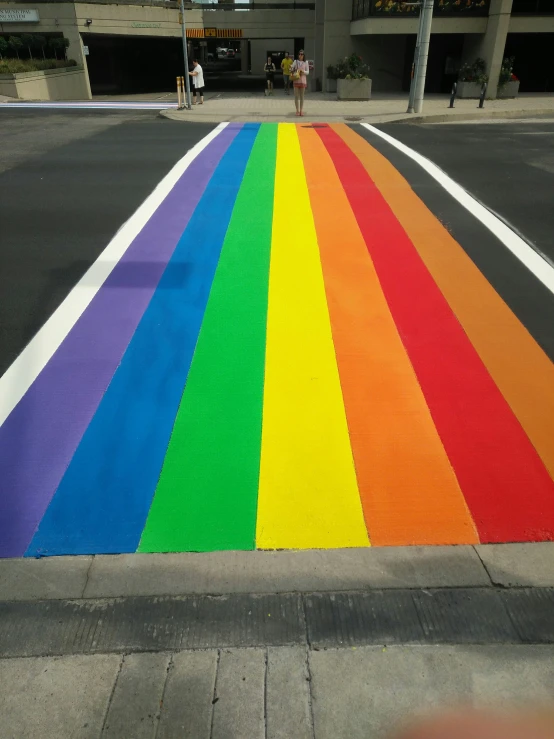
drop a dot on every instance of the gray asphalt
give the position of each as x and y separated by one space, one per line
68 181
504 167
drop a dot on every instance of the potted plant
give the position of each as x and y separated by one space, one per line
353 82
508 83
332 76
471 79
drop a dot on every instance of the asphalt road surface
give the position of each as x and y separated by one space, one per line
285 348
68 182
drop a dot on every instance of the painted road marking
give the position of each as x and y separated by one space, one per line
51 392
308 496
89 106
542 269
397 408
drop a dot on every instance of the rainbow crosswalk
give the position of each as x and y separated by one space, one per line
292 353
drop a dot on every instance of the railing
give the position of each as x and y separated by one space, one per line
533 7
397 9
250 4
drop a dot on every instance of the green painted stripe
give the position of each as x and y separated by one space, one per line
207 494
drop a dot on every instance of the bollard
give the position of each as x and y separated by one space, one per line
183 96
453 94
483 93
178 93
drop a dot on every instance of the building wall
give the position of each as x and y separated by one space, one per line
63 84
260 47
385 56
379 26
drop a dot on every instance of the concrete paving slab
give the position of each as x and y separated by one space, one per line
187 700
519 564
239 708
363 693
37 579
290 571
288 694
57 697
135 704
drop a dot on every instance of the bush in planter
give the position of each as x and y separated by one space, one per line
352 67
506 71
353 78
474 72
3 47
16 66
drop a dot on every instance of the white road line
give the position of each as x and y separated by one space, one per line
25 369
534 262
89 106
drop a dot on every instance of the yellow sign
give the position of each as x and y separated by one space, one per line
210 32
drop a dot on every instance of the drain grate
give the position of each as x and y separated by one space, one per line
353 118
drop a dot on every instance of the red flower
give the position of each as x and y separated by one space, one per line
514 78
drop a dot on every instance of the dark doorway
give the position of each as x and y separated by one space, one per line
533 60
133 64
445 53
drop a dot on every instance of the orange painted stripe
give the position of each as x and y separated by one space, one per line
519 367
408 489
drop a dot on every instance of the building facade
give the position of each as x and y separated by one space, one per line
131 46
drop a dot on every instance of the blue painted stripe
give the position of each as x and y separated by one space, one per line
103 500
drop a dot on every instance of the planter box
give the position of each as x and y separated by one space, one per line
331 85
509 90
68 83
468 90
353 89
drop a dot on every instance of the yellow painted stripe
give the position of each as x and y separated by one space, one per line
308 494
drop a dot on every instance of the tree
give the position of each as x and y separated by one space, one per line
3 47
28 41
15 44
39 42
58 43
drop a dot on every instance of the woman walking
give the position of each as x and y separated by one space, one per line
269 75
198 81
299 70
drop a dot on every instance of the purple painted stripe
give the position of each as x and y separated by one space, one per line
39 438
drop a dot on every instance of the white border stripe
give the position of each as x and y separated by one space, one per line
534 262
32 360
90 106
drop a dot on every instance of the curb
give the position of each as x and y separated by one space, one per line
485 113
264 572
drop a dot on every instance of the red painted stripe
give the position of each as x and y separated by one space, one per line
506 486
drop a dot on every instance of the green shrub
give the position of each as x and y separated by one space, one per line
352 67
474 72
506 70
15 66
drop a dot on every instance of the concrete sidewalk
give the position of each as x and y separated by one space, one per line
277 645
273 693
380 109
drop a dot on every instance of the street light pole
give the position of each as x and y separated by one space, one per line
415 62
423 44
186 55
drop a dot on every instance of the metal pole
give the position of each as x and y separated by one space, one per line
482 96
453 94
426 21
186 55
415 63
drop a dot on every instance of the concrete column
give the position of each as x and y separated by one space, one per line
333 40
75 49
494 41
244 56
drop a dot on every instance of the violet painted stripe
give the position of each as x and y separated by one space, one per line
39 438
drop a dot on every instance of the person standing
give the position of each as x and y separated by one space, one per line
286 64
198 81
298 72
269 69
